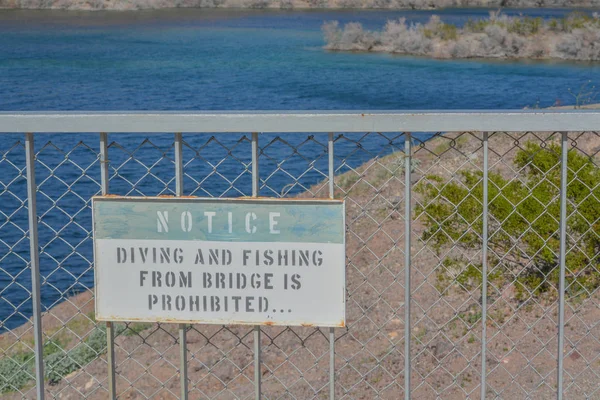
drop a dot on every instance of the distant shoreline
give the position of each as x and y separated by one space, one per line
131 5
573 37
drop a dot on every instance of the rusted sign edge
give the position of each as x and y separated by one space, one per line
108 318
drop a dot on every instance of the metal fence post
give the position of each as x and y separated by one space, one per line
484 267
255 176
183 367
35 265
110 356
104 177
331 330
255 191
110 333
407 253
563 251
178 164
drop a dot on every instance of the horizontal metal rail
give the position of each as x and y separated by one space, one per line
296 121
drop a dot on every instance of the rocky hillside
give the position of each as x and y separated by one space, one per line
285 4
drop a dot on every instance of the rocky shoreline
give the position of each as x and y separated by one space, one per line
96 5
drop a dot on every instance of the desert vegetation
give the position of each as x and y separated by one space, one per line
63 354
524 216
574 37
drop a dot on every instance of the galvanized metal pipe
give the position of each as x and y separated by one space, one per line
34 265
183 373
183 364
110 359
331 330
407 261
178 164
298 121
257 364
255 175
562 262
331 166
332 363
484 268
110 334
104 177
257 350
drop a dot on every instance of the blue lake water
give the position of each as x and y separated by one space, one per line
210 60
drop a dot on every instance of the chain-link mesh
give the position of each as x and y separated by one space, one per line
16 348
447 209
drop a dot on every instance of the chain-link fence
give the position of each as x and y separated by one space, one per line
502 259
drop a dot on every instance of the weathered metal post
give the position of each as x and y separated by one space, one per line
484 268
183 367
110 334
255 191
407 260
331 330
35 265
562 261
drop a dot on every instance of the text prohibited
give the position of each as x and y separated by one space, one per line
223 261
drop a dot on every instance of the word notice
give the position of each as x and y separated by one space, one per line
220 261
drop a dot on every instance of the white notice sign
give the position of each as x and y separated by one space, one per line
235 261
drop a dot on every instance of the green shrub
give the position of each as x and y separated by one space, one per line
448 32
53 346
443 31
576 20
525 26
554 25
476 26
347 180
61 363
15 371
525 215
